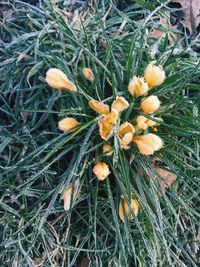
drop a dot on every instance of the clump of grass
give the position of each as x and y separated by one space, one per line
37 161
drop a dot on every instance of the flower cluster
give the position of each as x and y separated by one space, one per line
128 132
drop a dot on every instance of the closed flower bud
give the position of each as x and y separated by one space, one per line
150 104
88 74
101 170
68 124
152 123
67 197
137 86
148 143
154 75
107 123
99 107
126 132
125 210
142 123
106 148
58 80
120 103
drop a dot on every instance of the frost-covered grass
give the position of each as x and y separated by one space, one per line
37 160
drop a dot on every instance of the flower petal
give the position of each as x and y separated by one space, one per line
120 104
137 86
148 143
154 75
99 107
125 133
88 74
68 124
125 210
107 123
68 194
150 104
101 170
58 80
107 147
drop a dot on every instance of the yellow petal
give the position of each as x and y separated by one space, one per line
155 141
99 107
101 170
154 75
124 208
137 86
58 80
152 123
125 133
106 124
126 140
148 143
68 124
68 194
113 116
143 123
125 128
120 103
150 104
107 147
88 74
121 211
144 148
105 129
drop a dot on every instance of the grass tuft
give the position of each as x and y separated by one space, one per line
37 161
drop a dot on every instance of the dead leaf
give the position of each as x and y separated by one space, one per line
157 33
84 262
191 9
166 177
15 262
7 14
37 262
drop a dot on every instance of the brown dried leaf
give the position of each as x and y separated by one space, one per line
84 262
37 262
15 262
191 9
157 33
7 14
166 177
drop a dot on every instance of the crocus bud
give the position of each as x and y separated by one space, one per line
107 123
125 210
101 170
68 194
106 148
148 143
152 123
68 124
137 86
99 107
120 103
125 133
150 104
142 123
58 80
154 75
88 74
